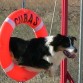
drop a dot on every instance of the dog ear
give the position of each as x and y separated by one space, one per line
73 38
58 35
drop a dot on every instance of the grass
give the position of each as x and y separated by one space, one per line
45 9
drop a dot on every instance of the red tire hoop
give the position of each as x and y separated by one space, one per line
18 17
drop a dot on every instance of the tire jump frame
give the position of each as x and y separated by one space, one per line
22 16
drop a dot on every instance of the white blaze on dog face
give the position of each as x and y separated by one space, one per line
71 48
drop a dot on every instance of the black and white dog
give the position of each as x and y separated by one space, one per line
37 52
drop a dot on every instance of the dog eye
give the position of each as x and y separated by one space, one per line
72 43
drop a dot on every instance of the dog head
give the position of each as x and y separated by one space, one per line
65 44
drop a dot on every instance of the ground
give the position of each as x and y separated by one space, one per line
45 9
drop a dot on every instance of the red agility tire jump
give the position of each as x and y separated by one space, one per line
18 17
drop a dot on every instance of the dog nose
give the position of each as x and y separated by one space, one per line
75 50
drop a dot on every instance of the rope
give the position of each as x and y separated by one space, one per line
23 4
53 17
